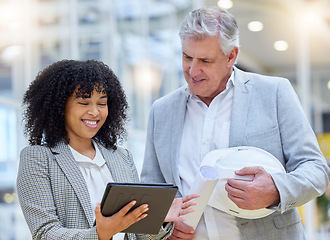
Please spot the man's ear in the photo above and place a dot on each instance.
(232, 55)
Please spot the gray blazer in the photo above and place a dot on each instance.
(266, 113)
(53, 193)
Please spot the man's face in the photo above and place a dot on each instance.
(206, 68)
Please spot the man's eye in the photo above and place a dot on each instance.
(186, 56)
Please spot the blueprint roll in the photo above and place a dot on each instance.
(204, 185)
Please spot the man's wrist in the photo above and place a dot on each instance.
(274, 207)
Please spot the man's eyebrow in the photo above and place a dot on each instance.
(201, 58)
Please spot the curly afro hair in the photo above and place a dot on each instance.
(47, 94)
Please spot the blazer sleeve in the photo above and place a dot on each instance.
(308, 172)
(36, 198)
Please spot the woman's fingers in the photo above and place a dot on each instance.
(186, 211)
(190, 196)
(186, 202)
(132, 216)
(138, 213)
(126, 208)
(125, 217)
(179, 207)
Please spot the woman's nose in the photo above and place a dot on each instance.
(93, 110)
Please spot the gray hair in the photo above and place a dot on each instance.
(211, 21)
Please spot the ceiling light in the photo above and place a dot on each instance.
(225, 4)
(255, 26)
(11, 52)
(10, 12)
(281, 46)
(311, 17)
(329, 84)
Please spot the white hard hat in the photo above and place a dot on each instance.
(227, 161)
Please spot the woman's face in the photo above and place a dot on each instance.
(85, 115)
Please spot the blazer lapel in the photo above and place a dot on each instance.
(71, 170)
(114, 163)
(175, 131)
(242, 93)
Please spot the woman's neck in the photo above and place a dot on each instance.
(85, 148)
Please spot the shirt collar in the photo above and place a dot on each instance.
(98, 159)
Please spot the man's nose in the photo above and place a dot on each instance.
(194, 69)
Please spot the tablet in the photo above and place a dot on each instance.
(159, 197)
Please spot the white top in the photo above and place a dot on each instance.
(207, 128)
(97, 175)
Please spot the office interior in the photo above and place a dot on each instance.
(139, 40)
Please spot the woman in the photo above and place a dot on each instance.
(75, 114)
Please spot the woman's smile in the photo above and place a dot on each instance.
(91, 123)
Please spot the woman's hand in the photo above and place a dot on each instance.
(179, 207)
(106, 227)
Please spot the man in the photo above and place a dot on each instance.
(223, 107)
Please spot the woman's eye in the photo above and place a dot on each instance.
(103, 104)
(82, 103)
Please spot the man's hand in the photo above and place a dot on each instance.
(182, 231)
(259, 193)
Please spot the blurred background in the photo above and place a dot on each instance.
(139, 40)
